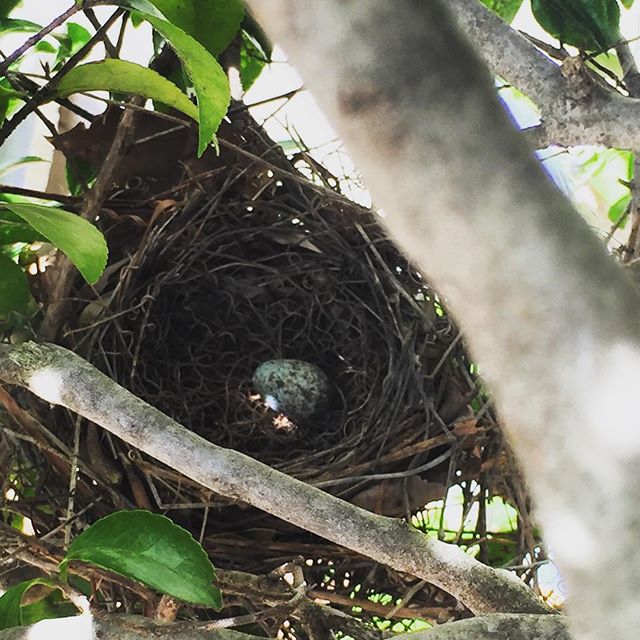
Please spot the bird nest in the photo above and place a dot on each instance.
(219, 285)
(254, 262)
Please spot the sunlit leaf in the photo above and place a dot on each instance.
(125, 77)
(209, 79)
(151, 549)
(213, 23)
(77, 238)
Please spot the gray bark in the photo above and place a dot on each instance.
(498, 626)
(550, 318)
(115, 627)
(575, 110)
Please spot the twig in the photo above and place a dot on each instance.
(93, 201)
(34, 39)
(42, 195)
(45, 92)
(400, 611)
(108, 45)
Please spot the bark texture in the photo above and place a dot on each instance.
(550, 318)
(575, 108)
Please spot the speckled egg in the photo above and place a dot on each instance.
(295, 388)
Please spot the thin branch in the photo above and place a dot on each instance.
(34, 39)
(58, 298)
(45, 92)
(599, 116)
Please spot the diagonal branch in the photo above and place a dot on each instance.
(61, 377)
(595, 115)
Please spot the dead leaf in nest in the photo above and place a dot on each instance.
(161, 152)
(466, 427)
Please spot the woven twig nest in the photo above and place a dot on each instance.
(221, 285)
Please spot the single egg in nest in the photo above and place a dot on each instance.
(298, 389)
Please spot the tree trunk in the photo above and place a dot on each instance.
(548, 315)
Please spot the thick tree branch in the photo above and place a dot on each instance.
(61, 377)
(594, 114)
(499, 626)
(549, 316)
(121, 627)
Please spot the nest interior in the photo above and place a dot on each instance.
(220, 283)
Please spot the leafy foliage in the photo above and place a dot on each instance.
(198, 31)
(506, 9)
(209, 80)
(46, 601)
(589, 25)
(82, 243)
(126, 77)
(213, 23)
(151, 549)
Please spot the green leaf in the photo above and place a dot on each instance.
(589, 25)
(71, 42)
(53, 605)
(11, 232)
(6, 167)
(13, 25)
(252, 61)
(10, 605)
(50, 604)
(7, 6)
(209, 80)
(45, 47)
(213, 23)
(152, 550)
(618, 209)
(506, 9)
(251, 26)
(80, 175)
(125, 77)
(14, 291)
(9, 99)
(77, 238)
(627, 4)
